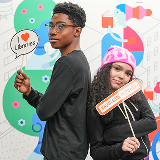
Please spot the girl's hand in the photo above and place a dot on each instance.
(130, 144)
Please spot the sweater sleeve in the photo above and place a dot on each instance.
(33, 97)
(98, 150)
(56, 93)
(145, 125)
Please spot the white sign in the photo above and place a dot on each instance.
(24, 42)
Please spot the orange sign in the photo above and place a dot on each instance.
(118, 96)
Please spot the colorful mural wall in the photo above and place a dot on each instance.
(135, 25)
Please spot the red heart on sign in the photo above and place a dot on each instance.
(25, 36)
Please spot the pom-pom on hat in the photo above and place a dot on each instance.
(119, 54)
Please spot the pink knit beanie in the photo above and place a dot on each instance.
(119, 54)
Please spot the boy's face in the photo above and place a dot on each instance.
(61, 36)
(120, 75)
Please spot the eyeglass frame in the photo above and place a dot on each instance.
(53, 27)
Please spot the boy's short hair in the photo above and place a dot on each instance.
(75, 13)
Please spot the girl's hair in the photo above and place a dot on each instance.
(100, 88)
(75, 13)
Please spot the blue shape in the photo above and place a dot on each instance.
(147, 158)
(45, 66)
(138, 55)
(159, 113)
(35, 156)
(153, 108)
(35, 62)
(39, 129)
(43, 38)
(153, 147)
(41, 124)
(40, 59)
(107, 41)
(122, 7)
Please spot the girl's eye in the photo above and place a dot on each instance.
(116, 68)
(129, 74)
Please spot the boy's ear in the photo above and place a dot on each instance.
(77, 31)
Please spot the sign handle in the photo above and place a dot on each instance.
(21, 67)
(128, 119)
(22, 62)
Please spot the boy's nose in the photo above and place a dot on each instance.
(53, 31)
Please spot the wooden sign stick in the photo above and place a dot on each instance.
(128, 119)
(22, 62)
(21, 67)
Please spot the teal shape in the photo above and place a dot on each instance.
(24, 111)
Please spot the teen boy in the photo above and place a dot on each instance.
(63, 105)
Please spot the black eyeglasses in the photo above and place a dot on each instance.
(58, 27)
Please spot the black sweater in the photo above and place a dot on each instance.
(107, 133)
(63, 106)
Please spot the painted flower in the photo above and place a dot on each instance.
(40, 6)
(21, 122)
(23, 11)
(51, 13)
(15, 104)
(45, 78)
(32, 20)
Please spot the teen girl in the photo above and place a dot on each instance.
(110, 135)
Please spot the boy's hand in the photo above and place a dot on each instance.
(22, 83)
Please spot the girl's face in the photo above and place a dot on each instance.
(120, 75)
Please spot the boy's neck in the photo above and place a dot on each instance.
(69, 49)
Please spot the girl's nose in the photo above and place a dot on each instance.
(121, 74)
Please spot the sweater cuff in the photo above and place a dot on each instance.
(120, 153)
(31, 94)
